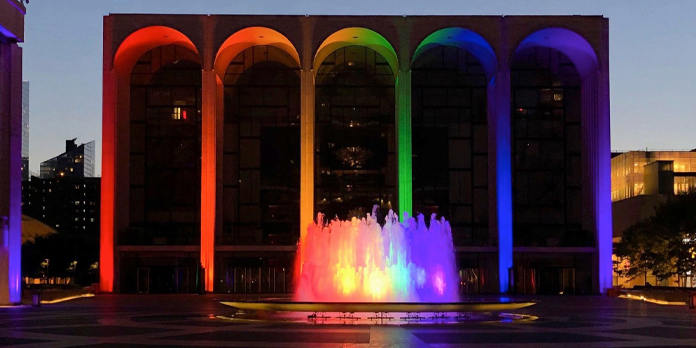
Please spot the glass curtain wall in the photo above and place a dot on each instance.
(165, 148)
(450, 142)
(355, 141)
(546, 151)
(261, 164)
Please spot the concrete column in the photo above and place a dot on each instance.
(211, 143)
(500, 167)
(403, 125)
(404, 146)
(10, 174)
(121, 168)
(501, 151)
(211, 155)
(107, 242)
(307, 149)
(597, 182)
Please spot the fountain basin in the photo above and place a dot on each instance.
(377, 307)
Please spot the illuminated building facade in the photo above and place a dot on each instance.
(76, 162)
(11, 33)
(225, 135)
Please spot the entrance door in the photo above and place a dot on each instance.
(531, 281)
(163, 280)
(568, 281)
(143, 280)
(550, 281)
(182, 279)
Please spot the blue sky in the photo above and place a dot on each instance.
(652, 59)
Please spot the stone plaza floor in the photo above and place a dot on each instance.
(199, 321)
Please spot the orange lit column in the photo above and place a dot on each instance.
(209, 147)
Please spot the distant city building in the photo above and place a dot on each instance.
(25, 130)
(67, 204)
(75, 162)
(637, 173)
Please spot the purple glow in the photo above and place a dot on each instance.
(570, 43)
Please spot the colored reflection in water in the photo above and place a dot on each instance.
(361, 261)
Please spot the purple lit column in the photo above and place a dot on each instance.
(597, 163)
(597, 147)
(10, 173)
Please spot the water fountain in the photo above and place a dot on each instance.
(361, 261)
(359, 265)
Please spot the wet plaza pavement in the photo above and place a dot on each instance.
(192, 320)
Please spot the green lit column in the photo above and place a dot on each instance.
(404, 146)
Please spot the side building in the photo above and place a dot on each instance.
(11, 34)
(77, 161)
(641, 180)
(66, 204)
(223, 139)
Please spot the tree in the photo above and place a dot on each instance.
(663, 245)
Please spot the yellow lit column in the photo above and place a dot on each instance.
(307, 152)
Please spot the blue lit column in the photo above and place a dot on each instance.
(10, 173)
(501, 160)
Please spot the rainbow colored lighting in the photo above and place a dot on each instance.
(361, 261)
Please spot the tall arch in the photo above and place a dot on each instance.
(249, 37)
(464, 39)
(555, 123)
(450, 76)
(356, 36)
(116, 144)
(142, 41)
(355, 161)
(260, 75)
(568, 42)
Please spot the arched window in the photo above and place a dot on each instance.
(355, 159)
(450, 141)
(165, 148)
(261, 175)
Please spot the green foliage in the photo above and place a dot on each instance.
(663, 245)
(62, 250)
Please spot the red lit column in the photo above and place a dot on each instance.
(209, 172)
(108, 183)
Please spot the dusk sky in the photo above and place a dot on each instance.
(652, 64)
